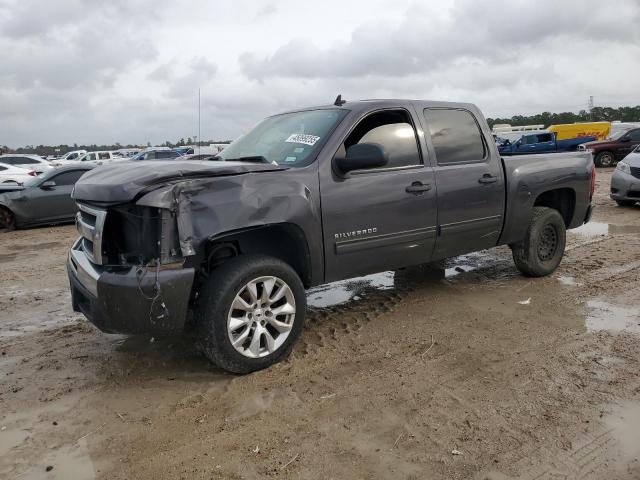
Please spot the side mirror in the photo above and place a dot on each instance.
(48, 185)
(362, 156)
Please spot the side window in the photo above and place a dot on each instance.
(455, 135)
(68, 178)
(25, 161)
(10, 160)
(166, 154)
(2, 168)
(104, 156)
(529, 139)
(635, 135)
(90, 156)
(544, 137)
(392, 130)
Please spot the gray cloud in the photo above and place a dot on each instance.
(423, 42)
(123, 71)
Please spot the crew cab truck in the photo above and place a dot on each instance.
(305, 198)
(533, 143)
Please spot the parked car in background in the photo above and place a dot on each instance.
(45, 199)
(127, 152)
(31, 162)
(11, 174)
(607, 152)
(540, 143)
(202, 156)
(625, 181)
(160, 153)
(69, 156)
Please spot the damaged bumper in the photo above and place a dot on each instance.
(134, 300)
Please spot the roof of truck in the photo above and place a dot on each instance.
(370, 104)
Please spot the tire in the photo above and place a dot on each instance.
(605, 159)
(626, 203)
(228, 286)
(542, 249)
(7, 220)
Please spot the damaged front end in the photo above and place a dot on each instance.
(127, 270)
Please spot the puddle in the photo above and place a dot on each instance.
(599, 229)
(622, 424)
(592, 229)
(605, 316)
(337, 293)
(569, 281)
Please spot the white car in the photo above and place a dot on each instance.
(30, 162)
(93, 158)
(11, 174)
(68, 158)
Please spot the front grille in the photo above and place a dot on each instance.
(635, 171)
(90, 224)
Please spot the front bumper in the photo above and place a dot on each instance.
(123, 301)
(625, 186)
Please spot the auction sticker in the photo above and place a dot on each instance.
(302, 138)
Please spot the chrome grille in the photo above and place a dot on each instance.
(90, 223)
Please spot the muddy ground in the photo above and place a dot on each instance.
(398, 375)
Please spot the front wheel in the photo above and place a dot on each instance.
(250, 313)
(542, 249)
(7, 220)
(604, 159)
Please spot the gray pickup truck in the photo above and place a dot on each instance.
(305, 198)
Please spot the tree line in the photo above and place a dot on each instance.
(46, 150)
(624, 114)
(597, 114)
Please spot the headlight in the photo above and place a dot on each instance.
(624, 167)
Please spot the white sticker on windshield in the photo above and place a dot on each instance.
(302, 138)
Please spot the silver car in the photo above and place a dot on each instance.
(625, 182)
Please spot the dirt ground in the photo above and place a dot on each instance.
(475, 372)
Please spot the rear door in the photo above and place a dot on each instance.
(470, 181)
(380, 218)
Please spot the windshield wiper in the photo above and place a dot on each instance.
(254, 159)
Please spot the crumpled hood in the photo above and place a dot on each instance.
(120, 182)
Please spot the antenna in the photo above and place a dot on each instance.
(339, 101)
(199, 137)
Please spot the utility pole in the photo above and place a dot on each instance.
(199, 137)
(590, 107)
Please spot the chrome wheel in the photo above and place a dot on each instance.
(261, 317)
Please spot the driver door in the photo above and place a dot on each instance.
(54, 203)
(379, 218)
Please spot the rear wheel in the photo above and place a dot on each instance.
(541, 251)
(626, 203)
(7, 220)
(604, 159)
(250, 313)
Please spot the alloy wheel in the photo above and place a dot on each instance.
(261, 316)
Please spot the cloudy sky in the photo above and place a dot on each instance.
(88, 71)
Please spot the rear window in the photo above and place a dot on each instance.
(455, 135)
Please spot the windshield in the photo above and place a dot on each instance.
(617, 135)
(289, 139)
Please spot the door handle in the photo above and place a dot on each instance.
(488, 178)
(418, 187)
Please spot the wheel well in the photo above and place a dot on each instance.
(284, 241)
(563, 200)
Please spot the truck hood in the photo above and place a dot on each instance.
(599, 143)
(121, 182)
